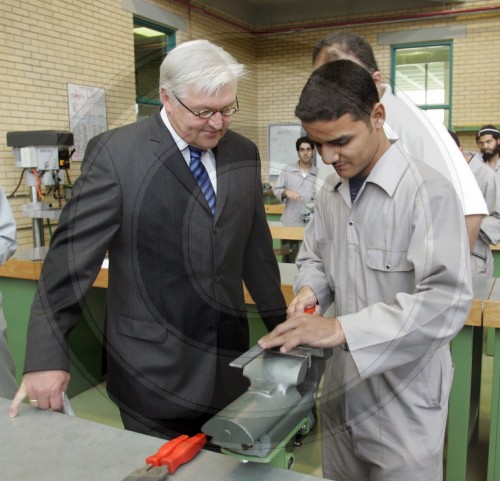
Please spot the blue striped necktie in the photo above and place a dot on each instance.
(201, 176)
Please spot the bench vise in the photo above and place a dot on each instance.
(277, 406)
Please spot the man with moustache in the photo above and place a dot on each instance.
(488, 142)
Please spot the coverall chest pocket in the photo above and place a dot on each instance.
(328, 253)
(389, 272)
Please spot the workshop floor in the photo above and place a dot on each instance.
(95, 405)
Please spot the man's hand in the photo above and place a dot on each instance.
(473, 224)
(309, 329)
(305, 298)
(44, 390)
(290, 194)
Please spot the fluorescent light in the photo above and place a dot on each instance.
(147, 32)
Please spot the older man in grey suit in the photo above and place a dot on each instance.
(179, 249)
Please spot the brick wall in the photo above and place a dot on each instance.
(43, 47)
(284, 61)
(46, 45)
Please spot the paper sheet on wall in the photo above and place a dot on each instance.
(87, 115)
(281, 145)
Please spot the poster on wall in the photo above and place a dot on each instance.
(87, 115)
(281, 140)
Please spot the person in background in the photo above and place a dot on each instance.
(176, 201)
(386, 246)
(296, 188)
(8, 245)
(427, 140)
(489, 233)
(488, 142)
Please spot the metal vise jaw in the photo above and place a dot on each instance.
(282, 392)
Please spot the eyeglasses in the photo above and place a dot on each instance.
(207, 113)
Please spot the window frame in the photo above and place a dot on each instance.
(170, 44)
(441, 43)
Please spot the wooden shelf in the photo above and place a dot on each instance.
(274, 208)
(30, 270)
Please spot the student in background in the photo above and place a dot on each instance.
(488, 142)
(296, 187)
(489, 233)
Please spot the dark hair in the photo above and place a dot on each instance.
(335, 89)
(303, 140)
(488, 130)
(454, 136)
(348, 43)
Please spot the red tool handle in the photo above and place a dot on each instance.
(184, 452)
(310, 310)
(165, 450)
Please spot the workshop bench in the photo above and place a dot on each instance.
(491, 319)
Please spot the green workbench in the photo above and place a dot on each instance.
(491, 320)
(490, 333)
(463, 408)
(86, 355)
(85, 341)
(274, 210)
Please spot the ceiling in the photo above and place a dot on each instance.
(266, 13)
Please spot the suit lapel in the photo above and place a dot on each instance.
(223, 162)
(166, 151)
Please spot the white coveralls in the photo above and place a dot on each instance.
(489, 233)
(393, 263)
(8, 245)
(429, 142)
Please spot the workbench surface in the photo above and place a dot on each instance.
(44, 446)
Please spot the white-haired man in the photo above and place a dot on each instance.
(176, 201)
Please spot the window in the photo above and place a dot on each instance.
(424, 73)
(151, 44)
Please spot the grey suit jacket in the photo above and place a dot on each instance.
(175, 308)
